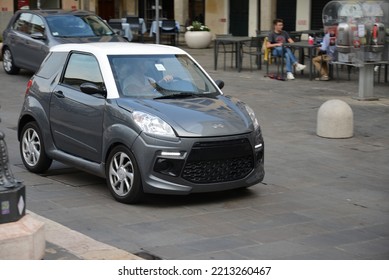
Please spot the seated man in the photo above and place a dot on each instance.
(276, 39)
(325, 55)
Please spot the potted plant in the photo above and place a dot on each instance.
(198, 36)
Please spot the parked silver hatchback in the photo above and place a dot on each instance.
(30, 34)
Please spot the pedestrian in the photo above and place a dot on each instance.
(276, 39)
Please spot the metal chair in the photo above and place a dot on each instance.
(135, 27)
(269, 58)
(168, 29)
(227, 47)
(253, 48)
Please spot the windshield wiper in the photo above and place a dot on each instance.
(186, 95)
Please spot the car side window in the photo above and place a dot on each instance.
(37, 25)
(22, 24)
(82, 68)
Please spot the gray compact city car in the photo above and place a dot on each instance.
(30, 34)
(147, 118)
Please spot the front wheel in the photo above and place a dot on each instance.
(123, 176)
(8, 63)
(32, 149)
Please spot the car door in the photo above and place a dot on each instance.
(76, 118)
(28, 50)
(36, 44)
(18, 36)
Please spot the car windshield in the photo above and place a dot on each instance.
(160, 76)
(78, 26)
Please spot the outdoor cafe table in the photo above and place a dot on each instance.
(301, 46)
(237, 41)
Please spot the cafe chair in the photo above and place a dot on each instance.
(295, 36)
(116, 25)
(225, 48)
(253, 49)
(262, 32)
(168, 29)
(269, 59)
(135, 27)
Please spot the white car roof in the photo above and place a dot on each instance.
(118, 48)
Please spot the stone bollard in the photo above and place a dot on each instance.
(335, 120)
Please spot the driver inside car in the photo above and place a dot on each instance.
(136, 79)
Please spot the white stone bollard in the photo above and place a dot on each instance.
(335, 120)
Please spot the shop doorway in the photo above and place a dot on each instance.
(106, 9)
(316, 14)
(196, 11)
(286, 10)
(239, 17)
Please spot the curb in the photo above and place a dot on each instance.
(80, 245)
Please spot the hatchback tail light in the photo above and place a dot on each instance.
(29, 84)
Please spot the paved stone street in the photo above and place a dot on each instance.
(320, 199)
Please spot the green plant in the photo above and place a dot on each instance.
(197, 26)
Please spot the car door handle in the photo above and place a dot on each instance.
(59, 94)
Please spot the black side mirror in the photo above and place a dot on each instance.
(90, 88)
(219, 83)
(38, 36)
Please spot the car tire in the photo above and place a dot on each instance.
(8, 62)
(32, 149)
(123, 176)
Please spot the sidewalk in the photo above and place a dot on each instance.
(63, 243)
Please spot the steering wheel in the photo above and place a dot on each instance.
(177, 84)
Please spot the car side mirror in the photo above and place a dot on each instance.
(219, 83)
(91, 89)
(38, 36)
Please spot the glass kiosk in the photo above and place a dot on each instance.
(361, 29)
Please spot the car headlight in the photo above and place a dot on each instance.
(153, 124)
(252, 116)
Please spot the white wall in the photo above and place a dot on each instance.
(303, 15)
(253, 17)
(216, 16)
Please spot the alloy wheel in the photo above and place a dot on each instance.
(121, 174)
(31, 147)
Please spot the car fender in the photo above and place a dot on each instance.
(33, 111)
(117, 134)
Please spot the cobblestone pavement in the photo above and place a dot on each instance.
(320, 199)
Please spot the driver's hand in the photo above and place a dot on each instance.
(168, 78)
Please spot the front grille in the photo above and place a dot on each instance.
(222, 161)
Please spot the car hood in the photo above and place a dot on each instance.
(196, 117)
(67, 40)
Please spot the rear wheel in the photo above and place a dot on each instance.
(32, 149)
(8, 62)
(123, 176)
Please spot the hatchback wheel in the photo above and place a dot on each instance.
(123, 177)
(8, 63)
(32, 149)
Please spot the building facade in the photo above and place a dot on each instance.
(238, 17)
